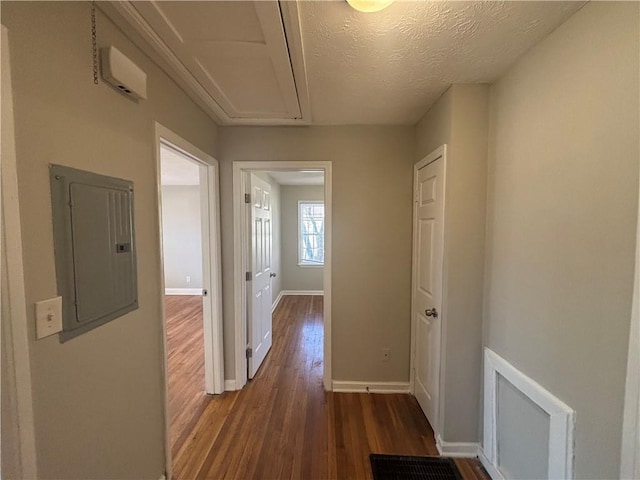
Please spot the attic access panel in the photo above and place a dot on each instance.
(94, 248)
(236, 51)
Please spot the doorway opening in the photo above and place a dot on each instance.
(282, 224)
(188, 196)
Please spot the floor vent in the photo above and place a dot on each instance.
(399, 467)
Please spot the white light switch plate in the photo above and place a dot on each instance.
(48, 317)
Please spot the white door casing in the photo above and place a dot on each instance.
(259, 305)
(21, 461)
(242, 288)
(630, 455)
(427, 284)
(213, 378)
(212, 272)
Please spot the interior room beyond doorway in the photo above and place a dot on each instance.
(285, 248)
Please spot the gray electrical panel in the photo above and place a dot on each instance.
(94, 248)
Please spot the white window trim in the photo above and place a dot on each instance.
(300, 262)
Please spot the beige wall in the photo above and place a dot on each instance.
(372, 170)
(460, 119)
(98, 399)
(182, 236)
(563, 195)
(294, 276)
(435, 128)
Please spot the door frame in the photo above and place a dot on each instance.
(240, 267)
(16, 336)
(440, 152)
(213, 345)
(630, 455)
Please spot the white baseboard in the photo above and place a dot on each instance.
(230, 386)
(293, 292)
(493, 472)
(276, 302)
(183, 291)
(301, 292)
(342, 386)
(456, 449)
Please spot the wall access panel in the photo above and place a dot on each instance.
(94, 248)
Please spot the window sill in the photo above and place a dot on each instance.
(311, 265)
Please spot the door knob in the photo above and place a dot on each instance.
(431, 312)
(272, 274)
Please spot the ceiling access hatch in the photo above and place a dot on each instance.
(235, 52)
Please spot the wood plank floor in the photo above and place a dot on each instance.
(185, 351)
(283, 424)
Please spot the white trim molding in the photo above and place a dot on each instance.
(230, 385)
(284, 293)
(456, 449)
(240, 169)
(183, 291)
(276, 302)
(491, 469)
(561, 416)
(15, 332)
(630, 455)
(345, 386)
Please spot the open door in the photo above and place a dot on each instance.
(259, 303)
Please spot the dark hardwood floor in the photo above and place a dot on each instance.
(283, 424)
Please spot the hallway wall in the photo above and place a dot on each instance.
(372, 196)
(563, 198)
(98, 399)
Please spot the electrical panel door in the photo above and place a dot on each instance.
(95, 250)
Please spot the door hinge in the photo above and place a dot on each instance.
(247, 198)
(249, 352)
(247, 276)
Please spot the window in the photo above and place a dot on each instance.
(311, 233)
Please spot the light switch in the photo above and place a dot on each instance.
(48, 317)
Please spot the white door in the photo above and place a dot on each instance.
(427, 283)
(259, 308)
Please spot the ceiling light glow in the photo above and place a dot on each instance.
(369, 5)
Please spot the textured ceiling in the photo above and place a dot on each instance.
(389, 67)
(336, 66)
